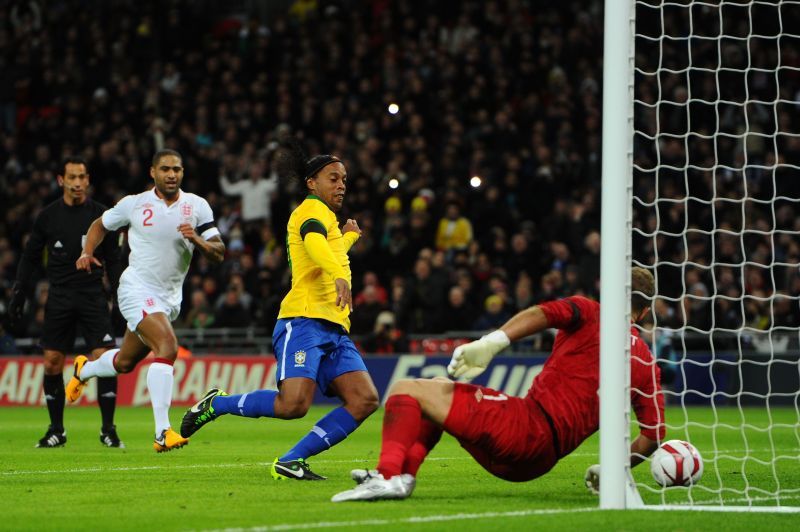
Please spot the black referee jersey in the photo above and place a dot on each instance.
(56, 242)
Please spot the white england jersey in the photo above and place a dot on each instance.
(160, 256)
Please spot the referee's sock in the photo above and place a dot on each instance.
(107, 399)
(102, 367)
(260, 403)
(330, 430)
(54, 396)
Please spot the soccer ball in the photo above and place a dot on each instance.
(676, 463)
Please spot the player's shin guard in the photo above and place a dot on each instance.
(429, 436)
(102, 367)
(159, 384)
(401, 428)
(107, 399)
(330, 430)
(54, 396)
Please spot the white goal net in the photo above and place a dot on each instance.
(716, 218)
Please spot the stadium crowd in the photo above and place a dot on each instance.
(494, 90)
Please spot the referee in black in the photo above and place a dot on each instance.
(76, 299)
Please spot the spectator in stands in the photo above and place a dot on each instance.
(363, 321)
(231, 312)
(200, 315)
(386, 338)
(426, 297)
(493, 314)
(370, 279)
(461, 315)
(454, 231)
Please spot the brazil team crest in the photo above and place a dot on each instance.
(299, 358)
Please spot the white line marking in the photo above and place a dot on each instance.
(196, 466)
(410, 520)
(252, 464)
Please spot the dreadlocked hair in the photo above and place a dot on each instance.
(291, 161)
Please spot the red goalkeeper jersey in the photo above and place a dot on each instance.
(567, 387)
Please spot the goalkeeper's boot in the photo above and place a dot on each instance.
(375, 488)
(75, 385)
(362, 475)
(169, 440)
(201, 413)
(109, 437)
(294, 469)
(52, 438)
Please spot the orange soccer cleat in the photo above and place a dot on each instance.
(169, 440)
(75, 385)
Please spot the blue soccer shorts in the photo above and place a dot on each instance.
(316, 349)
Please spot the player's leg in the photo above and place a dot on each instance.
(342, 374)
(109, 364)
(298, 356)
(414, 412)
(156, 331)
(360, 398)
(115, 361)
(296, 345)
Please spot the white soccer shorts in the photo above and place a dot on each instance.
(137, 301)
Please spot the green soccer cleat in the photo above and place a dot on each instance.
(201, 413)
(293, 469)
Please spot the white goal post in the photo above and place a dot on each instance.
(701, 144)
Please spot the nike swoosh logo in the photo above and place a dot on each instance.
(195, 409)
(290, 472)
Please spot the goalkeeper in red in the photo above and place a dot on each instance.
(517, 438)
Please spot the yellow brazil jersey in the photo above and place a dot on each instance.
(313, 292)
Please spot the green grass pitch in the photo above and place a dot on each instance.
(221, 480)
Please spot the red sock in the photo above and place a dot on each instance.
(429, 436)
(401, 425)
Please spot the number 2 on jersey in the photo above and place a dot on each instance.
(148, 214)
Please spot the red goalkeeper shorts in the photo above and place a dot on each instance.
(509, 436)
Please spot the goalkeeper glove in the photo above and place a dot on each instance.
(592, 479)
(470, 360)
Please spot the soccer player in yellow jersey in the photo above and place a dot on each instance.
(310, 339)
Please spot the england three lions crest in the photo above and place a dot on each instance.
(186, 210)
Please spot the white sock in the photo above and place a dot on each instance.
(159, 384)
(102, 367)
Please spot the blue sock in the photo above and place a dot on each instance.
(260, 403)
(328, 431)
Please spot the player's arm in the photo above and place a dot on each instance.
(350, 233)
(470, 360)
(206, 237)
(94, 236)
(315, 242)
(30, 263)
(213, 249)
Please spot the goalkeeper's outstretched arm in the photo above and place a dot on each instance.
(470, 360)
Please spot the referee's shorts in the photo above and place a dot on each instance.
(69, 310)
